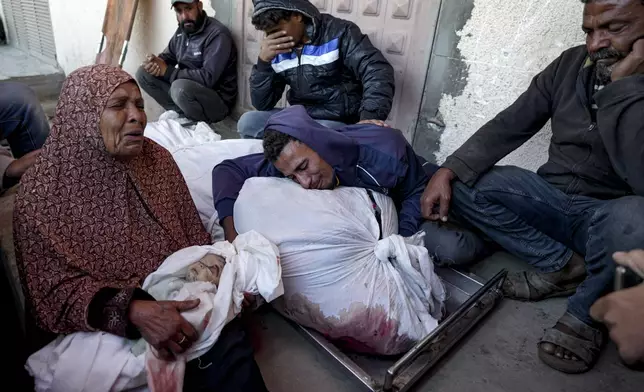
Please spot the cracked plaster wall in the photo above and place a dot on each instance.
(502, 46)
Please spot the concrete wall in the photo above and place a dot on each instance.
(485, 55)
(77, 28)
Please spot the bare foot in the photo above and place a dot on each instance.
(559, 351)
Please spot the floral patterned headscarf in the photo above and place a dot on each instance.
(86, 223)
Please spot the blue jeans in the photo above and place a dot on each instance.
(542, 225)
(251, 124)
(22, 120)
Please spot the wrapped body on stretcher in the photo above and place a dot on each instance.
(374, 294)
(366, 293)
(100, 362)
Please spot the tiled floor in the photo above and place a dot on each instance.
(14, 63)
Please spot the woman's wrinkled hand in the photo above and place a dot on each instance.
(163, 327)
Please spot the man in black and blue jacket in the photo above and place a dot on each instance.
(331, 68)
(196, 75)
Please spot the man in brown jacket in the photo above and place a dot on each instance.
(587, 201)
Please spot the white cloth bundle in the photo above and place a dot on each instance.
(377, 296)
(197, 152)
(100, 362)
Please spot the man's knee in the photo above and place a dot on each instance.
(182, 92)
(143, 78)
(619, 223)
(251, 124)
(451, 245)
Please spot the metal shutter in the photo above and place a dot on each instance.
(29, 25)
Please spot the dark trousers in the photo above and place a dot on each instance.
(22, 120)
(228, 367)
(455, 243)
(196, 102)
(542, 225)
(13, 371)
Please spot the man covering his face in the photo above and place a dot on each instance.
(329, 65)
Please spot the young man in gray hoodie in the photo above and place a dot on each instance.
(196, 75)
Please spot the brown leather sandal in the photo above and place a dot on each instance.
(532, 286)
(586, 346)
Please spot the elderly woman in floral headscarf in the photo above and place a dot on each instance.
(100, 210)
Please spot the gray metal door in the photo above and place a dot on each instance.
(29, 26)
(402, 29)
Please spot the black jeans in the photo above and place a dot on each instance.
(187, 97)
(228, 367)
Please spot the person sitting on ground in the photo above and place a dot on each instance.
(329, 65)
(101, 209)
(363, 155)
(623, 312)
(587, 201)
(196, 75)
(24, 125)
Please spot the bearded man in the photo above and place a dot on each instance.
(586, 202)
(196, 75)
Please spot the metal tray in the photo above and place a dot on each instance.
(468, 302)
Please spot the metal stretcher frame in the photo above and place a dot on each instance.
(407, 370)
